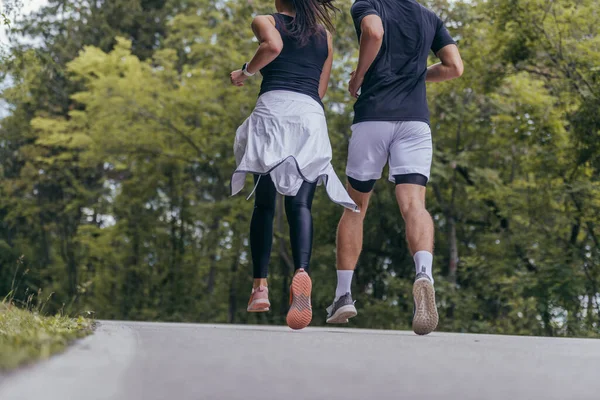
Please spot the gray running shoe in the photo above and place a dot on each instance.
(425, 318)
(341, 310)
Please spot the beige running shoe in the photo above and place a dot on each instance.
(425, 318)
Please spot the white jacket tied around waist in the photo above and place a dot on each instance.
(286, 137)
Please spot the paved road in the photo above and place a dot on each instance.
(156, 361)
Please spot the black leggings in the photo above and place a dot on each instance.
(298, 211)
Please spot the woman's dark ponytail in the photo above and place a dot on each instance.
(311, 16)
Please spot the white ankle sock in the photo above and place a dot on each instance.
(344, 281)
(424, 263)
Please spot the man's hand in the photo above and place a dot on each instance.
(237, 77)
(355, 83)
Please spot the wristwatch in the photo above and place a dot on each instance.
(245, 70)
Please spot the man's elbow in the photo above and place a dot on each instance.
(459, 69)
(378, 35)
(374, 33)
(455, 69)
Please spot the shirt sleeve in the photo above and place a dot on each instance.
(360, 9)
(442, 37)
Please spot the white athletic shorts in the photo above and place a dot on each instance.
(406, 145)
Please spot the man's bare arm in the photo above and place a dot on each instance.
(450, 67)
(371, 38)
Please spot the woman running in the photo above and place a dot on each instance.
(284, 143)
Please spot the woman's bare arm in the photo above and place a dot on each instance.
(326, 73)
(269, 48)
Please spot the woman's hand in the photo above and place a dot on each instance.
(237, 78)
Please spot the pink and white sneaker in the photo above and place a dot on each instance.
(259, 300)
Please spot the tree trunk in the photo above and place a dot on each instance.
(131, 277)
(212, 272)
(175, 265)
(232, 286)
(448, 211)
(453, 264)
(451, 217)
(68, 254)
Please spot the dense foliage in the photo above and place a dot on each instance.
(116, 155)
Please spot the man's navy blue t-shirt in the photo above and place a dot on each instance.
(394, 85)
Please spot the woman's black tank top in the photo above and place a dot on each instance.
(297, 68)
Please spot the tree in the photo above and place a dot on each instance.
(115, 177)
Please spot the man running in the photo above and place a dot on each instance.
(391, 123)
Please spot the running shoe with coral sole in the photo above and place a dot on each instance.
(426, 316)
(300, 313)
(259, 300)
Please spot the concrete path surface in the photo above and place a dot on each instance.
(159, 361)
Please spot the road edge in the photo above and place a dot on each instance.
(74, 372)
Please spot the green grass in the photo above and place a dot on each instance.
(26, 336)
